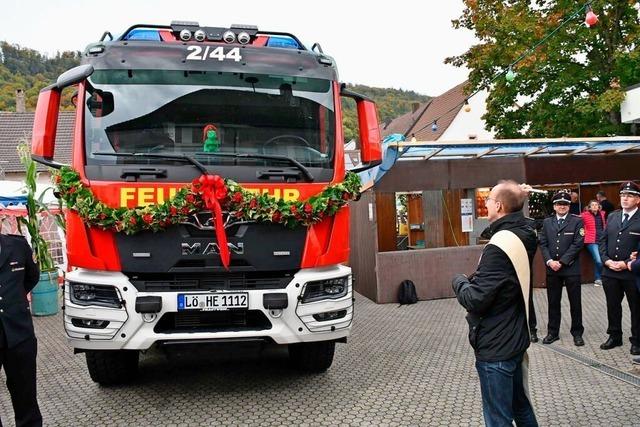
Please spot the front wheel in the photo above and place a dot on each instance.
(111, 367)
(312, 357)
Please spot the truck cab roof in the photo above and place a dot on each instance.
(237, 49)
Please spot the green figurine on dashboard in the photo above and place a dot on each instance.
(211, 142)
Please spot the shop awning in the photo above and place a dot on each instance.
(543, 147)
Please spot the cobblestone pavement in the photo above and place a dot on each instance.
(406, 365)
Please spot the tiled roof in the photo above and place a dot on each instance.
(439, 108)
(403, 123)
(17, 127)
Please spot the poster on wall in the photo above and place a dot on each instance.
(481, 200)
(466, 213)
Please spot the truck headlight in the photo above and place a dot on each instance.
(326, 289)
(86, 294)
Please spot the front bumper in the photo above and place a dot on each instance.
(129, 330)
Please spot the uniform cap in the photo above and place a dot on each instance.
(630, 187)
(561, 197)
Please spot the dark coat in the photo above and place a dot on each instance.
(635, 268)
(607, 207)
(493, 298)
(562, 243)
(18, 275)
(617, 243)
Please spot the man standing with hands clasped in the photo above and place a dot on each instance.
(620, 239)
(561, 240)
(18, 347)
(494, 297)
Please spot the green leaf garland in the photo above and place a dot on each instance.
(239, 203)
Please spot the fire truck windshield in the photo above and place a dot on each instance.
(202, 113)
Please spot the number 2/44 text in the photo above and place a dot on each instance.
(197, 53)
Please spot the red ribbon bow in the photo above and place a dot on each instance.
(214, 191)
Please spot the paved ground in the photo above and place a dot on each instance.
(403, 366)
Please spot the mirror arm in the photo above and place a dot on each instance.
(47, 162)
(365, 166)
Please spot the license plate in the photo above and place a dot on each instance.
(212, 302)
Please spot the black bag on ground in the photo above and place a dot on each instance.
(407, 293)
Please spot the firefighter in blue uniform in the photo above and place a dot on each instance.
(621, 237)
(18, 348)
(561, 240)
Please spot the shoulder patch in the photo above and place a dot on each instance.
(581, 231)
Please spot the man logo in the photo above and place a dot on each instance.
(210, 248)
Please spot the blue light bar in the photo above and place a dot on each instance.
(140, 34)
(283, 42)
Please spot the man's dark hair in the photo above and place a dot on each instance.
(511, 196)
(601, 194)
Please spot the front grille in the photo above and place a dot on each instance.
(171, 282)
(212, 321)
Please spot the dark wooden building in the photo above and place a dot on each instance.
(439, 175)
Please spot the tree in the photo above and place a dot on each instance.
(23, 68)
(572, 84)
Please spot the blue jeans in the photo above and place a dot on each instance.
(503, 396)
(595, 254)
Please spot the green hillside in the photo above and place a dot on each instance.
(391, 103)
(27, 69)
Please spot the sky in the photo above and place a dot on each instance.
(398, 44)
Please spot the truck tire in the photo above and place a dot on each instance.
(312, 357)
(111, 367)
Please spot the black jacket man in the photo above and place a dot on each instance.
(18, 346)
(496, 313)
(561, 240)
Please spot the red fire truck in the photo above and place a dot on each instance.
(158, 107)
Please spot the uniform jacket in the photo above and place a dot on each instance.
(589, 221)
(18, 275)
(493, 299)
(617, 243)
(562, 243)
(635, 269)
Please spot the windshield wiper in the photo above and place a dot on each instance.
(179, 157)
(290, 160)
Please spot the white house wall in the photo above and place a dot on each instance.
(469, 123)
(630, 108)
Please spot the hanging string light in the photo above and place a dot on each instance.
(511, 75)
(467, 107)
(434, 126)
(591, 18)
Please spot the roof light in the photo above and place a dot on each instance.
(283, 42)
(200, 35)
(142, 34)
(229, 36)
(96, 49)
(325, 60)
(244, 37)
(185, 35)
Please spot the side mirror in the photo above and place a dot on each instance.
(369, 129)
(73, 76)
(370, 138)
(45, 122)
